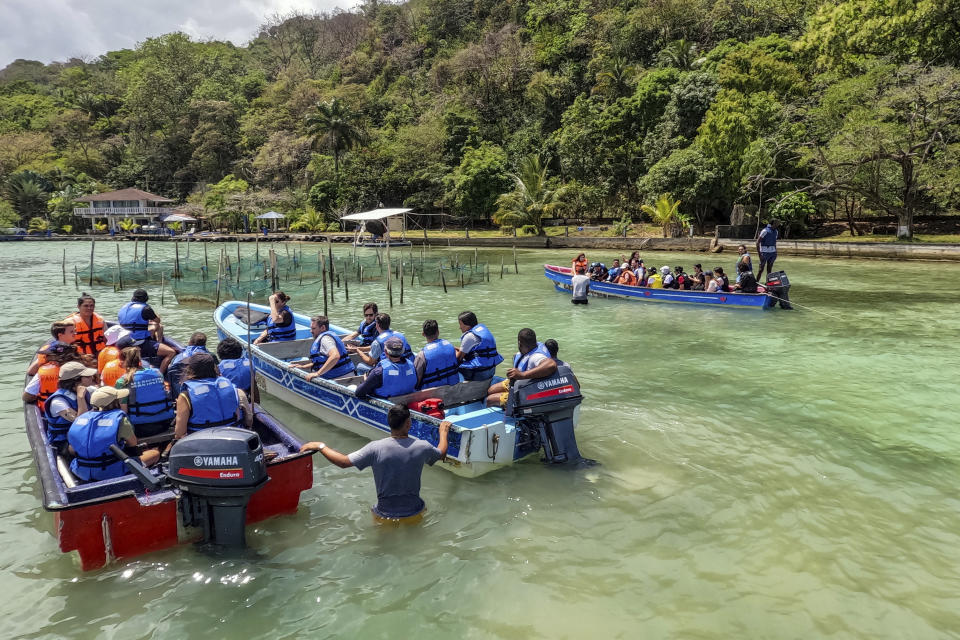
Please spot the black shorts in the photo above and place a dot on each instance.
(148, 349)
(584, 301)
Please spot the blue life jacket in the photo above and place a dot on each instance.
(390, 333)
(91, 435)
(441, 364)
(614, 273)
(368, 332)
(484, 358)
(175, 370)
(237, 371)
(523, 362)
(57, 426)
(131, 318)
(768, 240)
(148, 401)
(277, 333)
(344, 366)
(213, 403)
(398, 379)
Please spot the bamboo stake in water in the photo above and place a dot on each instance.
(323, 280)
(400, 277)
(206, 262)
(119, 272)
(346, 287)
(63, 266)
(76, 278)
(501, 267)
(330, 255)
(516, 269)
(92, 241)
(136, 242)
(161, 288)
(176, 265)
(219, 276)
(146, 252)
(443, 280)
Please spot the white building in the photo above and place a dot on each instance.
(144, 208)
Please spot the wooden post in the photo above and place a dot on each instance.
(400, 276)
(206, 263)
(516, 269)
(476, 259)
(323, 279)
(468, 234)
(136, 242)
(238, 260)
(443, 280)
(566, 232)
(176, 263)
(219, 276)
(330, 255)
(258, 261)
(389, 282)
(119, 272)
(346, 287)
(161, 288)
(76, 278)
(188, 248)
(361, 273)
(92, 241)
(63, 266)
(501, 267)
(146, 252)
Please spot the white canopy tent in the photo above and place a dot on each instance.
(380, 214)
(271, 215)
(179, 217)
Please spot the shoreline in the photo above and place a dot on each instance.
(811, 248)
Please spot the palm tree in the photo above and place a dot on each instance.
(532, 199)
(28, 192)
(128, 225)
(39, 225)
(335, 125)
(681, 54)
(665, 213)
(312, 221)
(616, 78)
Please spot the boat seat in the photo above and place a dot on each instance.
(160, 437)
(64, 468)
(287, 349)
(452, 395)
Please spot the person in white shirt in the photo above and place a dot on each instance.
(580, 283)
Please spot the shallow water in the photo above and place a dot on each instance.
(763, 474)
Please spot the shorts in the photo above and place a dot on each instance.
(506, 393)
(576, 301)
(767, 259)
(148, 348)
(381, 519)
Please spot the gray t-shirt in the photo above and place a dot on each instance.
(468, 342)
(580, 285)
(376, 350)
(397, 464)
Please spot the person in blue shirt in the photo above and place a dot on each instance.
(397, 464)
(376, 353)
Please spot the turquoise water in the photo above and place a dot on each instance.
(763, 474)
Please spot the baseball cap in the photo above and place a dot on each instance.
(71, 370)
(394, 347)
(140, 295)
(104, 396)
(114, 334)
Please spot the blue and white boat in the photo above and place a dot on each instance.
(561, 277)
(481, 439)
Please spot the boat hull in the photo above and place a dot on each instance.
(561, 277)
(480, 441)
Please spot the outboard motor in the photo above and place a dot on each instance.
(217, 470)
(778, 285)
(544, 411)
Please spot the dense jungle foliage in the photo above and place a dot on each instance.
(510, 111)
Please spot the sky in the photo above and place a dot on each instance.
(49, 30)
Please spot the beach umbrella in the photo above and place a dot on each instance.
(271, 215)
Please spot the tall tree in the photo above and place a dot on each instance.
(336, 126)
(533, 197)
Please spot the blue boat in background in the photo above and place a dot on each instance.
(481, 439)
(561, 277)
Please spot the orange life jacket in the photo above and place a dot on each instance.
(107, 354)
(49, 381)
(579, 264)
(90, 339)
(627, 277)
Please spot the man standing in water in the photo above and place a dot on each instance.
(580, 285)
(397, 464)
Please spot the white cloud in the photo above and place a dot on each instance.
(49, 30)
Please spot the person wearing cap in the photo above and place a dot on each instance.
(532, 362)
(92, 433)
(136, 317)
(397, 464)
(63, 332)
(580, 286)
(90, 326)
(667, 279)
(477, 353)
(329, 358)
(208, 399)
(392, 376)
(47, 378)
(196, 344)
(148, 405)
(67, 402)
(280, 323)
(377, 353)
(436, 364)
